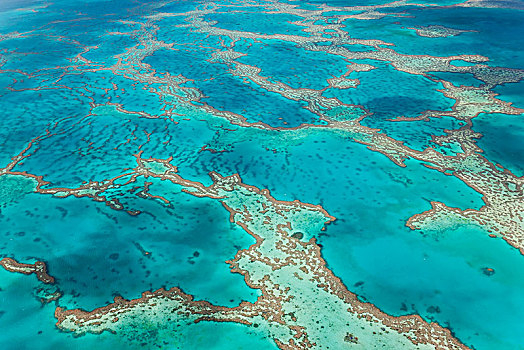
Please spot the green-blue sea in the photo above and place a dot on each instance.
(55, 69)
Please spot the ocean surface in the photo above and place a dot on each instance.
(248, 88)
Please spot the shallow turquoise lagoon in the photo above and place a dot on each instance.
(235, 94)
(493, 33)
(27, 334)
(87, 256)
(260, 22)
(297, 67)
(389, 93)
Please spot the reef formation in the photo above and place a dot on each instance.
(215, 87)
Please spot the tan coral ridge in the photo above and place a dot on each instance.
(39, 268)
(501, 190)
(302, 304)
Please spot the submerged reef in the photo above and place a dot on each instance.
(436, 31)
(38, 268)
(370, 110)
(303, 305)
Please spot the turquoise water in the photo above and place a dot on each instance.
(96, 253)
(494, 33)
(458, 79)
(258, 22)
(511, 93)
(24, 333)
(297, 67)
(389, 93)
(502, 140)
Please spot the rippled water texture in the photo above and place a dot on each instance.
(393, 130)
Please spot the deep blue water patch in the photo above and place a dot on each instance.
(284, 62)
(389, 93)
(261, 23)
(502, 139)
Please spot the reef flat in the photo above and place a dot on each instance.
(303, 305)
(145, 144)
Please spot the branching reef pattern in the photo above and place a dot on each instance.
(302, 304)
